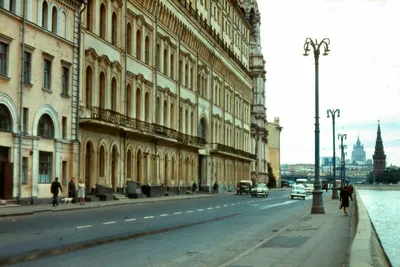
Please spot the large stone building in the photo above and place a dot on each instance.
(164, 93)
(274, 148)
(358, 154)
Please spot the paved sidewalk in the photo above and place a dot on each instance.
(317, 240)
(17, 210)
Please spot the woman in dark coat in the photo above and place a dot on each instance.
(345, 197)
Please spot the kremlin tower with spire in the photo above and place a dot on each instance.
(379, 156)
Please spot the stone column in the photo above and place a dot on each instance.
(35, 167)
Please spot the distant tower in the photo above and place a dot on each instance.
(379, 156)
(358, 154)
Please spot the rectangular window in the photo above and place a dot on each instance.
(64, 177)
(3, 59)
(25, 120)
(65, 80)
(24, 178)
(47, 74)
(45, 167)
(64, 127)
(27, 67)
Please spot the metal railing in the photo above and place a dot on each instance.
(117, 119)
(232, 150)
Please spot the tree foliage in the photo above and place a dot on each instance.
(271, 177)
(389, 176)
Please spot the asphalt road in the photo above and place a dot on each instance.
(243, 221)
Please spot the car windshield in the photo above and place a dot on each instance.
(260, 185)
(244, 184)
(298, 187)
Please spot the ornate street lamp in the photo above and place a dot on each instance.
(342, 147)
(318, 204)
(333, 114)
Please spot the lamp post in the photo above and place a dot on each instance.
(333, 114)
(342, 147)
(318, 204)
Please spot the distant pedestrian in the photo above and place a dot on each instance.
(215, 187)
(72, 190)
(345, 197)
(194, 187)
(81, 192)
(54, 189)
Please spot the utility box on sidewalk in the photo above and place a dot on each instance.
(134, 190)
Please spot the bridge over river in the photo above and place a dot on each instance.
(350, 179)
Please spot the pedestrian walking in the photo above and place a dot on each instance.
(215, 187)
(81, 192)
(345, 197)
(72, 190)
(54, 189)
(194, 187)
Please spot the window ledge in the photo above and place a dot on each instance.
(28, 84)
(5, 77)
(65, 96)
(47, 90)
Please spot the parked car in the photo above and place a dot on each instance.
(260, 189)
(244, 186)
(298, 191)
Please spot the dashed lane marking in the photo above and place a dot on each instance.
(217, 207)
(164, 215)
(189, 211)
(176, 213)
(200, 209)
(110, 222)
(130, 220)
(149, 217)
(210, 208)
(84, 226)
(225, 205)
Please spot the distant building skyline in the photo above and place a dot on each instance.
(358, 154)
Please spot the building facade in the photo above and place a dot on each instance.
(274, 148)
(379, 156)
(358, 153)
(37, 67)
(164, 93)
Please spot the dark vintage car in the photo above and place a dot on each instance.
(243, 187)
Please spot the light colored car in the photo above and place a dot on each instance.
(298, 191)
(309, 188)
(259, 190)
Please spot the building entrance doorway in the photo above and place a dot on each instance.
(201, 171)
(88, 167)
(6, 174)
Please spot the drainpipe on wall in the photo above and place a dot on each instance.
(212, 114)
(79, 87)
(156, 92)
(180, 30)
(126, 93)
(21, 101)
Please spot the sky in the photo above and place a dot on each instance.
(360, 76)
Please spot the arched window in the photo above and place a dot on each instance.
(102, 90)
(138, 45)
(114, 29)
(158, 119)
(89, 15)
(129, 39)
(45, 15)
(128, 101)
(186, 75)
(171, 66)
(165, 62)
(202, 129)
(165, 113)
(138, 106)
(191, 78)
(139, 166)
(114, 94)
(147, 51)
(54, 20)
(147, 107)
(192, 131)
(129, 164)
(172, 168)
(172, 111)
(158, 59)
(186, 122)
(5, 119)
(45, 127)
(103, 21)
(102, 161)
(89, 84)
(64, 24)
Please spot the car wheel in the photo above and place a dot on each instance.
(291, 197)
(265, 195)
(304, 198)
(240, 192)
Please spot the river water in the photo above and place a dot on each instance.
(384, 210)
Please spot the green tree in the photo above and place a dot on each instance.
(271, 177)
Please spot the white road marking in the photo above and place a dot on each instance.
(149, 217)
(217, 207)
(233, 204)
(225, 205)
(200, 209)
(178, 212)
(163, 215)
(210, 208)
(189, 211)
(130, 220)
(84, 226)
(110, 222)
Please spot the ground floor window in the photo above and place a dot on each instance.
(45, 167)
(24, 178)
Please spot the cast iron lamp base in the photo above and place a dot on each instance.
(318, 203)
